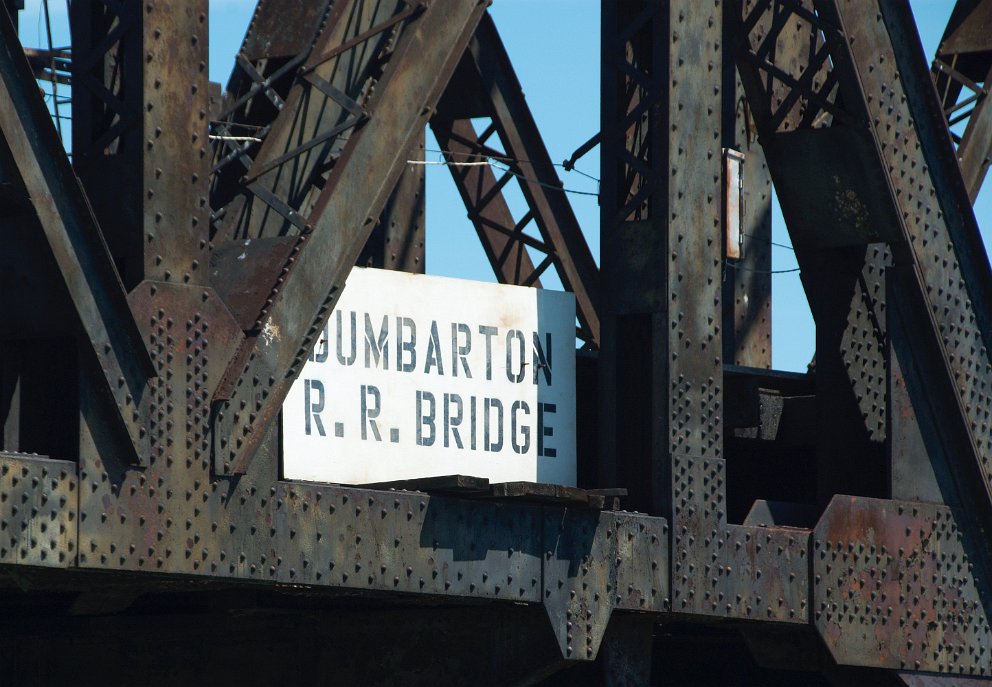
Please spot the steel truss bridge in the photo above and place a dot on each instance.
(732, 524)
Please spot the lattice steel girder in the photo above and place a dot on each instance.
(272, 57)
(342, 217)
(482, 194)
(877, 97)
(964, 61)
(281, 178)
(897, 585)
(113, 342)
(540, 185)
(38, 499)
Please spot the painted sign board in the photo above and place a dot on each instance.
(422, 376)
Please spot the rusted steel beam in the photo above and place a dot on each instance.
(38, 513)
(944, 283)
(50, 65)
(909, 679)
(398, 241)
(910, 573)
(279, 39)
(113, 344)
(962, 74)
(341, 217)
(747, 279)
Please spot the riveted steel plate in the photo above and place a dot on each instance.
(595, 561)
(38, 499)
(931, 680)
(758, 573)
(398, 541)
(937, 223)
(897, 585)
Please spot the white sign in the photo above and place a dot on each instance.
(418, 376)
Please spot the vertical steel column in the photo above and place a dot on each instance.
(140, 106)
(141, 148)
(43, 198)
(661, 243)
(661, 358)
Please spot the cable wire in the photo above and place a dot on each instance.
(741, 268)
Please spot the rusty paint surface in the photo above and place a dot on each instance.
(895, 587)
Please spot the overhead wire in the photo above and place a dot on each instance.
(770, 242)
(503, 164)
(742, 268)
(504, 159)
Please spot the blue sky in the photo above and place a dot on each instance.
(554, 46)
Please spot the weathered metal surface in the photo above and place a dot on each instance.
(328, 98)
(241, 271)
(899, 585)
(717, 568)
(174, 517)
(278, 40)
(399, 239)
(595, 563)
(792, 90)
(627, 651)
(931, 680)
(878, 207)
(730, 570)
(37, 510)
(281, 29)
(107, 116)
(190, 335)
(660, 361)
(875, 67)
